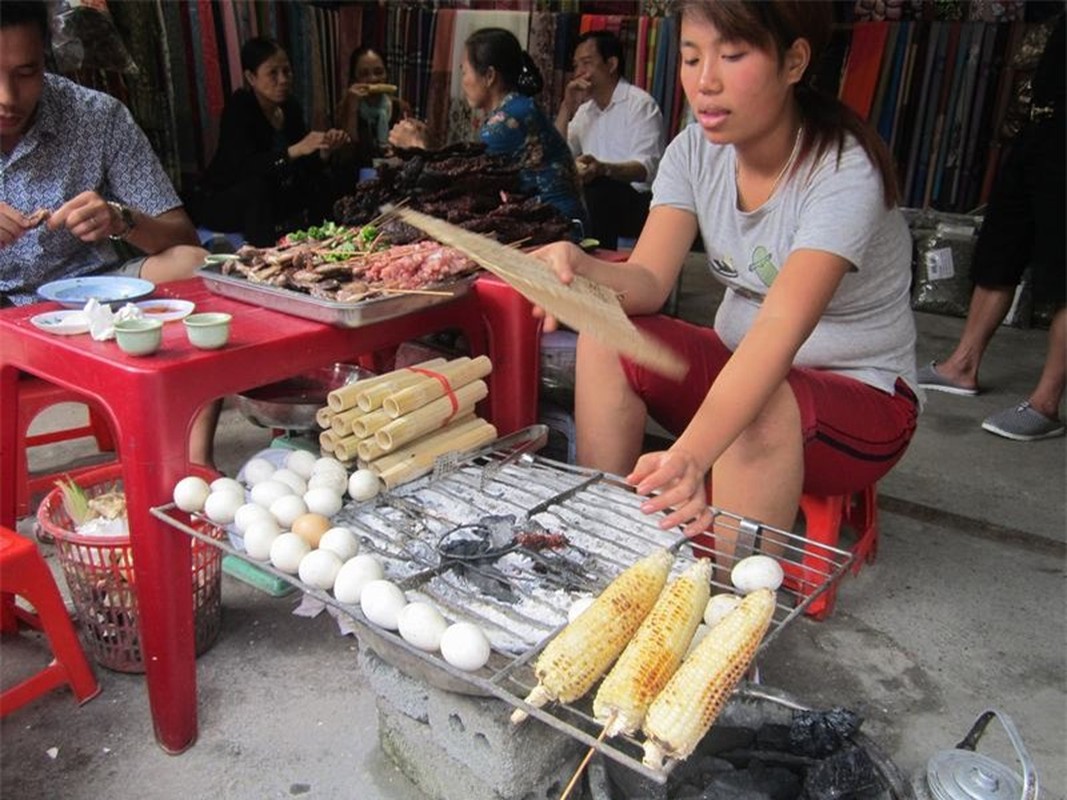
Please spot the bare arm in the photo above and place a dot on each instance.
(792, 309)
(91, 219)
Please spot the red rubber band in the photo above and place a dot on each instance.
(443, 380)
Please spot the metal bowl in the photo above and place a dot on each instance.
(291, 404)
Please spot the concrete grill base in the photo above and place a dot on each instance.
(456, 747)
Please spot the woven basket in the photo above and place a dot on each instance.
(99, 571)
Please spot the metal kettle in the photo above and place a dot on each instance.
(963, 774)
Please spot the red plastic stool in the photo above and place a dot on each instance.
(23, 572)
(35, 395)
(824, 518)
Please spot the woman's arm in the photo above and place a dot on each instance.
(645, 280)
(791, 310)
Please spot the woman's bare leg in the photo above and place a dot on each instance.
(1048, 394)
(609, 417)
(989, 306)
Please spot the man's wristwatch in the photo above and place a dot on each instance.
(126, 215)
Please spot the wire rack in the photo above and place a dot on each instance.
(520, 598)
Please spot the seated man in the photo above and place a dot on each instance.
(615, 131)
(79, 175)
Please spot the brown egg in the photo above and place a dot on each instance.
(310, 527)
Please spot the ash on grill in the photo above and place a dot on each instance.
(461, 184)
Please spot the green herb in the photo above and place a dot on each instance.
(75, 501)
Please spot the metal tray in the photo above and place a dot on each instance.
(343, 315)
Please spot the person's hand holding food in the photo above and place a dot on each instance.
(13, 223)
(87, 216)
(589, 167)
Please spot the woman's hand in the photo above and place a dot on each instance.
(360, 91)
(318, 142)
(563, 258)
(87, 216)
(409, 133)
(673, 479)
(334, 138)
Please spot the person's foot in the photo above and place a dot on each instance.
(932, 380)
(1023, 424)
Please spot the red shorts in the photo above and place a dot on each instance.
(853, 433)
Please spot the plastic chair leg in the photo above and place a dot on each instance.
(23, 572)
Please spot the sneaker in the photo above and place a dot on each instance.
(1023, 424)
(931, 379)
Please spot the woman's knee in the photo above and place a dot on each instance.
(774, 431)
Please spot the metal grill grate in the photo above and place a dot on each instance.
(520, 596)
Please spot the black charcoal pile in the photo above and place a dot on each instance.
(460, 184)
(812, 758)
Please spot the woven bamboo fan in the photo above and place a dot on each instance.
(583, 305)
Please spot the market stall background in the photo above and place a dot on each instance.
(945, 83)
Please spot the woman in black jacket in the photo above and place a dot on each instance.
(269, 174)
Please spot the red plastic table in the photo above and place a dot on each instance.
(152, 402)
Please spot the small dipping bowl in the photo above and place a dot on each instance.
(208, 331)
(139, 337)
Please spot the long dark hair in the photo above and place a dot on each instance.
(773, 26)
(499, 49)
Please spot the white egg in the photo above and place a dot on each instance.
(719, 606)
(422, 625)
(230, 484)
(340, 541)
(221, 506)
(249, 513)
(329, 464)
(287, 508)
(578, 606)
(301, 462)
(381, 602)
(323, 501)
(363, 485)
(190, 493)
(328, 480)
(463, 645)
(286, 552)
(355, 574)
(319, 568)
(266, 492)
(756, 572)
(290, 479)
(259, 536)
(257, 470)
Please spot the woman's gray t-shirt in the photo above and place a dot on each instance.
(867, 332)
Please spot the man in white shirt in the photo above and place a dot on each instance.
(615, 131)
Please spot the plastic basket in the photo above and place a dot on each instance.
(100, 576)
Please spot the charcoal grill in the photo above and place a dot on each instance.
(521, 597)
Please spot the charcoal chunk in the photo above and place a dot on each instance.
(757, 782)
(820, 733)
(847, 775)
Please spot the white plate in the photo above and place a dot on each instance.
(165, 309)
(66, 323)
(110, 290)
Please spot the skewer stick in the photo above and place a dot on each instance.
(581, 767)
(436, 292)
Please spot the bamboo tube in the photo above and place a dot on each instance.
(369, 449)
(344, 397)
(422, 461)
(345, 449)
(431, 388)
(323, 417)
(398, 456)
(367, 424)
(431, 416)
(372, 397)
(327, 441)
(341, 424)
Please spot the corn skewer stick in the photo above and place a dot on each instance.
(576, 658)
(581, 767)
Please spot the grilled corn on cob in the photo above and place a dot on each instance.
(654, 653)
(683, 712)
(572, 662)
